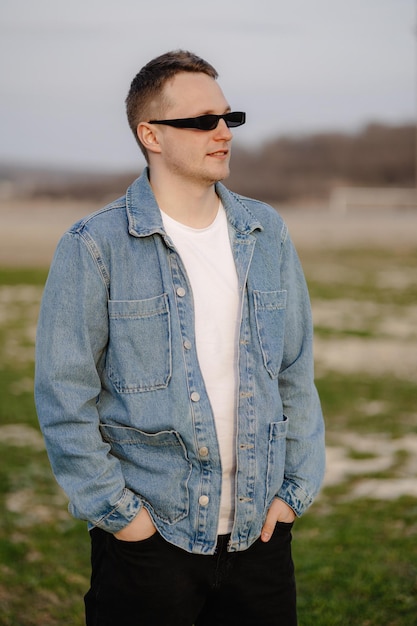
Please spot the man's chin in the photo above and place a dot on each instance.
(225, 174)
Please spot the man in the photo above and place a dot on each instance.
(174, 378)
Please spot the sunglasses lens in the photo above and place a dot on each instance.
(206, 122)
(210, 122)
(235, 119)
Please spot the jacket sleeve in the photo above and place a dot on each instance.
(305, 450)
(70, 351)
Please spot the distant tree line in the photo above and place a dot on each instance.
(289, 169)
(293, 169)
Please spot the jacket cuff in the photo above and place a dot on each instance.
(121, 515)
(295, 497)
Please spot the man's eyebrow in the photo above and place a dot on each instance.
(211, 112)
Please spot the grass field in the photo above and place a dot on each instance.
(355, 550)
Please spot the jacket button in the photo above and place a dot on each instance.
(181, 292)
(203, 500)
(203, 451)
(195, 396)
(187, 344)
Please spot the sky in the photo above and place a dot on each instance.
(294, 66)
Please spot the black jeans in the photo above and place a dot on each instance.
(153, 583)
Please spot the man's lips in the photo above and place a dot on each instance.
(219, 153)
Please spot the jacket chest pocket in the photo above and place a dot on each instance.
(270, 320)
(139, 350)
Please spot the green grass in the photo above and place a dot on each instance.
(23, 276)
(44, 553)
(357, 564)
(344, 398)
(384, 277)
(356, 558)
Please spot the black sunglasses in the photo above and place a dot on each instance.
(205, 122)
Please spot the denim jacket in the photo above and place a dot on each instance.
(119, 393)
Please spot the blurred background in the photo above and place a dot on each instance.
(317, 79)
(330, 91)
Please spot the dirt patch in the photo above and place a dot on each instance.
(315, 227)
(376, 357)
(32, 508)
(381, 455)
(30, 229)
(20, 435)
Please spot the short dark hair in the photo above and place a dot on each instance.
(150, 81)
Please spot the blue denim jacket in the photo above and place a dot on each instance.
(120, 395)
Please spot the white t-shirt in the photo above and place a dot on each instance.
(207, 257)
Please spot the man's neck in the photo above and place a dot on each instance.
(193, 205)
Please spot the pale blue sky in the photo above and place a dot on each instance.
(295, 66)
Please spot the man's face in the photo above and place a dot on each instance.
(196, 156)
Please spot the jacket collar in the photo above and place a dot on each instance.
(145, 219)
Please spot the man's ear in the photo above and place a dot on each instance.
(148, 136)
